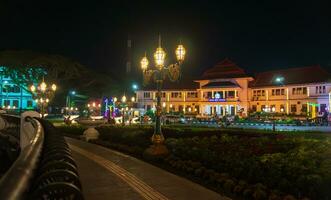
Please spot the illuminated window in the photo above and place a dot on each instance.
(192, 94)
(15, 103)
(299, 90)
(6, 102)
(147, 95)
(231, 94)
(320, 89)
(176, 95)
(304, 108)
(277, 92)
(29, 103)
(258, 93)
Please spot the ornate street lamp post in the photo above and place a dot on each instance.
(158, 75)
(42, 95)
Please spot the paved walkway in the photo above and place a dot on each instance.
(107, 174)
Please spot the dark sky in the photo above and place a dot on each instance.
(258, 35)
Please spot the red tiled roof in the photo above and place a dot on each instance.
(300, 75)
(224, 69)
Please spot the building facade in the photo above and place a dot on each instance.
(226, 89)
(12, 96)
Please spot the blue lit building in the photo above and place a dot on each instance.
(14, 97)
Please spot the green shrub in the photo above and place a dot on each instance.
(259, 194)
(289, 197)
(228, 185)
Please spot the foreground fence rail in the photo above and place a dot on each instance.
(44, 168)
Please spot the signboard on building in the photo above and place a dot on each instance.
(216, 100)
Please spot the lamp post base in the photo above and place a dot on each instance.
(155, 152)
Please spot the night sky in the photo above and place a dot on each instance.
(257, 35)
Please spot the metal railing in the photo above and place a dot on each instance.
(44, 169)
(15, 183)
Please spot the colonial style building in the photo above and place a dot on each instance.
(12, 96)
(226, 89)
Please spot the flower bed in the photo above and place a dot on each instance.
(257, 167)
(246, 164)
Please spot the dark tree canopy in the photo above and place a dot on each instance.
(27, 67)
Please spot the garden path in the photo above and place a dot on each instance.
(108, 174)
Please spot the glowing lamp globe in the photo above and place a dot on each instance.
(32, 88)
(53, 87)
(124, 99)
(159, 57)
(133, 99)
(144, 63)
(180, 53)
(43, 86)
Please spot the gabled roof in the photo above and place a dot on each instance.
(300, 75)
(224, 69)
(220, 84)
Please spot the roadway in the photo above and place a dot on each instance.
(108, 174)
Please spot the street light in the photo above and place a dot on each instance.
(134, 86)
(42, 95)
(123, 99)
(158, 75)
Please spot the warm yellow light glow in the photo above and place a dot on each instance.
(124, 99)
(53, 87)
(189, 109)
(8, 107)
(180, 53)
(47, 100)
(14, 107)
(76, 109)
(43, 86)
(115, 99)
(93, 104)
(88, 105)
(163, 104)
(71, 108)
(144, 63)
(133, 99)
(41, 100)
(32, 88)
(99, 105)
(170, 105)
(159, 57)
(126, 108)
(36, 100)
